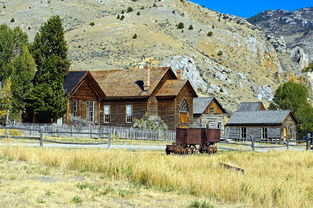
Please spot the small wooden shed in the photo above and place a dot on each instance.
(262, 125)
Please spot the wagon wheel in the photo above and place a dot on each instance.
(215, 149)
(184, 151)
(210, 150)
(189, 150)
(194, 150)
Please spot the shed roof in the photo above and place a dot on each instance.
(250, 106)
(259, 117)
(126, 83)
(72, 79)
(201, 103)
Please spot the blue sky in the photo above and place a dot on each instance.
(250, 8)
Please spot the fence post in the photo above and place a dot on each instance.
(287, 143)
(41, 137)
(252, 144)
(308, 142)
(109, 141)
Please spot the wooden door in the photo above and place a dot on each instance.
(183, 120)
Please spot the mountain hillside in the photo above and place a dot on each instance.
(296, 27)
(222, 55)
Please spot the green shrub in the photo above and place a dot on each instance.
(138, 13)
(309, 68)
(203, 204)
(129, 9)
(210, 34)
(92, 24)
(154, 5)
(220, 53)
(12, 20)
(77, 200)
(190, 27)
(122, 12)
(118, 16)
(122, 17)
(134, 36)
(180, 25)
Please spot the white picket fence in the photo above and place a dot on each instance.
(119, 132)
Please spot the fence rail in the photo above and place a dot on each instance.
(41, 139)
(92, 131)
(259, 144)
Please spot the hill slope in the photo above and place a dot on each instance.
(222, 55)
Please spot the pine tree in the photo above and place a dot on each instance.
(48, 99)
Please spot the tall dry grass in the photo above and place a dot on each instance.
(272, 179)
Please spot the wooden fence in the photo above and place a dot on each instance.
(92, 131)
(41, 134)
(254, 145)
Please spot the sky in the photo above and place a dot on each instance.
(244, 8)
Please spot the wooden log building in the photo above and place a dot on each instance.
(262, 125)
(117, 97)
(208, 113)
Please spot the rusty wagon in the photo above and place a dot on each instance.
(194, 140)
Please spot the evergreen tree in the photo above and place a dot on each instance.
(48, 99)
(23, 67)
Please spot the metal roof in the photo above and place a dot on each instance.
(259, 117)
(72, 79)
(201, 103)
(249, 106)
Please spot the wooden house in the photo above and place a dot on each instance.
(117, 97)
(208, 112)
(250, 106)
(262, 125)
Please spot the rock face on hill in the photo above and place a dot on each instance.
(222, 55)
(296, 27)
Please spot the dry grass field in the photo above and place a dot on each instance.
(116, 178)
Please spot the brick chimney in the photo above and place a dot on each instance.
(146, 84)
(179, 74)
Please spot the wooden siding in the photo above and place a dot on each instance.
(234, 132)
(167, 113)
(84, 92)
(187, 95)
(216, 108)
(273, 132)
(118, 112)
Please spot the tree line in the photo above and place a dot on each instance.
(32, 74)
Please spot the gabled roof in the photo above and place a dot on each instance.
(259, 117)
(126, 83)
(200, 104)
(250, 106)
(173, 87)
(72, 79)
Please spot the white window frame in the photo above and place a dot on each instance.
(129, 114)
(75, 108)
(91, 111)
(107, 114)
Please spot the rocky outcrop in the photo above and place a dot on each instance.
(295, 26)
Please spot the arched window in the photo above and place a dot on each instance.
(183, 107)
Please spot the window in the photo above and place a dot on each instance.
(211, 110)
(129, 113)
(264, 133)
(183, 107)
(107, 113)
(90, 111)
(243, 133)
(74, 108)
